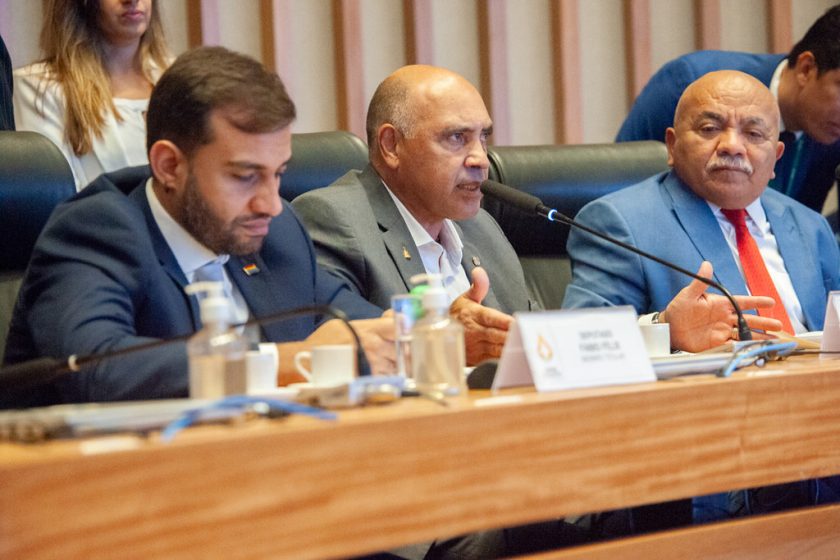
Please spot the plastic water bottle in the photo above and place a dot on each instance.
(438, 357)
(216, 352)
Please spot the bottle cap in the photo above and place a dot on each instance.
(434, 296)
(214, 306)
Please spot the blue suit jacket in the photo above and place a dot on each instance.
(102, 277)
(653, 112)
(664, 217)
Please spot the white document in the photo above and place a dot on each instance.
(571, 349)
(831, 328)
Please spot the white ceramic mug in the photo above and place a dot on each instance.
(657, 339)
(329, 365)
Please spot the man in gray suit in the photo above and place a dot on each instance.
(416, 207)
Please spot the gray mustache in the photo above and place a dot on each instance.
(731, 163)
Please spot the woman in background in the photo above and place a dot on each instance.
(90, 92)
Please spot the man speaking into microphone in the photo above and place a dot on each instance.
(712, 213)
(415, 208)
(109, 270)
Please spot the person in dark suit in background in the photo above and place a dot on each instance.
(806, 85)
(7, 115)
(110, 267)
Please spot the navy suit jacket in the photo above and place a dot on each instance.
(102, 277)
(664, 217)
(653, 112)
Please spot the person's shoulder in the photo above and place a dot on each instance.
(108, 193)
(99, 217)
(637, 193)
(781, 200)
(37, 80)
(345, 190)
(34, 71)
(35, 68)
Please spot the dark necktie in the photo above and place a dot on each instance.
(755, 272)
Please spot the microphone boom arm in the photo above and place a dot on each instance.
(529, 203)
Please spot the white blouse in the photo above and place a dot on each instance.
(122, 143)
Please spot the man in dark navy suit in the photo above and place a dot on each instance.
(110, 267)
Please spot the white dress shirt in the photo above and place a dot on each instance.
(442, 258)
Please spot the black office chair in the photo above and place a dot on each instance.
(319, 158)
(34, 178)
(564, 178)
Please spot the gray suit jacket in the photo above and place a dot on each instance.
(360, 235)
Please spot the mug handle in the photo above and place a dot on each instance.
(303, 355)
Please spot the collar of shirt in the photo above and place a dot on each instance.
(442, 257)
(450, 241)
(774, 89)
(757, 220)
(189, 252)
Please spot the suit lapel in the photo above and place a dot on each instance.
(165, 255)
(471, 259)
(703, 230)
(804, 273)
(395, 235)
(262, 289)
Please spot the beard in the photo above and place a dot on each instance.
(212, 231)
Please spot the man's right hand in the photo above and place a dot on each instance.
(700, 320)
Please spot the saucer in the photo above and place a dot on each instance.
(289, 392)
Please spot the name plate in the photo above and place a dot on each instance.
(831, 328)
(571, 349)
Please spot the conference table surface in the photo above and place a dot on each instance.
(413, 471)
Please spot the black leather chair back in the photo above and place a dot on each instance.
(564, 178)
(319, 158)
(34, 178)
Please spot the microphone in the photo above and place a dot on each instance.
(30, 374)
(533, 205)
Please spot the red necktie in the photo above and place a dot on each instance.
(758, 279)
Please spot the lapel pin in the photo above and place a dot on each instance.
(250, 269)
(406, 254)
(476, 261)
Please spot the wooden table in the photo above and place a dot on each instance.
(414, 471)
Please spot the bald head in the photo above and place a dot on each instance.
(408, 94)
(728, 86)
(427, 133)
(725, 140)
